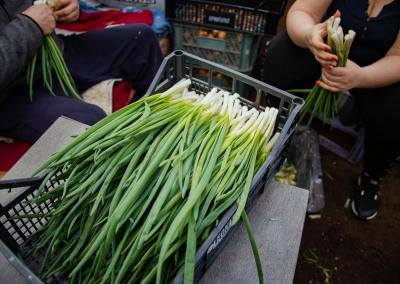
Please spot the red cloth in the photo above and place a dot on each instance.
(122, 93)
(103, 19)
(10, 153)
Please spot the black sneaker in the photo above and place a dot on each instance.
(365, 203)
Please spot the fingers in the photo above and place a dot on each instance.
(68, 13)
(332, 80)
(65, 11)
(331, 74)
(320, 45)
(73, 16)
(320, 49)
(327, 86)
(325, 58)
(58, 4)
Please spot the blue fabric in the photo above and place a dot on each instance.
(89, 5)
(374, 36)
(160, 23)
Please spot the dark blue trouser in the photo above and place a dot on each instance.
(129, 52)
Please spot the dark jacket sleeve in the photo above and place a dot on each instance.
(19, 41)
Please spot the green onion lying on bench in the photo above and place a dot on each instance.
(143, 188)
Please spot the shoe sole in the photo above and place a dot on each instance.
(353, 208)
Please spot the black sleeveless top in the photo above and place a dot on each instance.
(374, 35)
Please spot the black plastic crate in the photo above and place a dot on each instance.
(15, 232)
(176, 66)
(256, 17)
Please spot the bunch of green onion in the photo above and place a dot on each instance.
(51, 59)
(319, 99)
(140, 190)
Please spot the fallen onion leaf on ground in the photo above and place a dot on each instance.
(287, 174)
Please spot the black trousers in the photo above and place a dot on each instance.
(288, 66)
(130, 52)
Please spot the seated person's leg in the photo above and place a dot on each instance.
(130, 52)
(26, 120)
(379, 110)
(288, 66)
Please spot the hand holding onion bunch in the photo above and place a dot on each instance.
(321, 99)
(50, 55)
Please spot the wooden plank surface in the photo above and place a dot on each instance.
(277, 219)
(8, 274)
(53, 139)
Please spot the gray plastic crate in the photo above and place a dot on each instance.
(176, 66)
(235, 50)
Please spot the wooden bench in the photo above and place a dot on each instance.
(277, 219)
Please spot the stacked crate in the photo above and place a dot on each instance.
(226, 32)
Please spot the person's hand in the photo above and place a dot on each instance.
(340, 79)
(66, 10)
(317, 46)
(43, 16)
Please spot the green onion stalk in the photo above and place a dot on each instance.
(51, 59)
(320, 100)
(136, 194)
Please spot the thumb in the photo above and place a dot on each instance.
(323, 28)
(337, 13)
(325, 23)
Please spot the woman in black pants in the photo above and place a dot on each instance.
(298, 57)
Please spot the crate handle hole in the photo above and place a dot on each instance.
(298, 101)
(178, 52)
